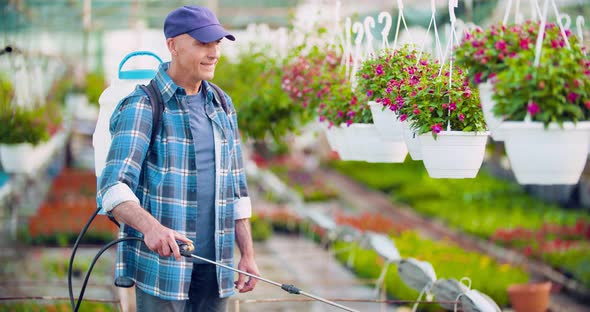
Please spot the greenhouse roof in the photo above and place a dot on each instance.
(98, 15)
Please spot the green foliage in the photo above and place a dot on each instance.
(56, 307)
(381, 77)
(484, 52)
(481, 206)
(94, 86)
(556, 91)
(448, 260)
(305, 183)
(261, 229)
(573, 261)
(264, 109)
(343, 106)
(440, 100)
(21, 125)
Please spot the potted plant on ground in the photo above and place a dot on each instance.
(545, 99)
(446, 114)
(484, 52)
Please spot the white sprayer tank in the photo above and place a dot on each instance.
(120, 87)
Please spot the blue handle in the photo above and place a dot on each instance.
(138, 73)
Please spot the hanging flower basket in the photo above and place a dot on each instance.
(362, 142)
(546, 156)
(453, 154)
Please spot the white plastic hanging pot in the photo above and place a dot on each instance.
(412, 142)
(386, 122)
(486, 90)
(453, 154)
(333, 139)
(362, 142)
(546, 156)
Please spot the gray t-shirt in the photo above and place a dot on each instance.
(202, 131)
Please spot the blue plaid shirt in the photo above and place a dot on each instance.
(164, 181)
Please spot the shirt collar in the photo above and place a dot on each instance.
(167, 86)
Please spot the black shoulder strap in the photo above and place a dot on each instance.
(157, 103)
(219, 96)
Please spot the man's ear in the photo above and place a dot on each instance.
(171, 46)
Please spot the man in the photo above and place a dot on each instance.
(187, 185)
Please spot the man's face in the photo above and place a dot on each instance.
(195, 58)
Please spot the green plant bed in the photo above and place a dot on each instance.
(56, 307)
(66, 239)
(483, 206)
(305, 183)
(448, 260)
(574, 262)
(261, 229)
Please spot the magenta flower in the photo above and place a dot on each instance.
(370, 93)
(379, 70)
(436, 128)
(501, 45)
(533, 108)
(478, 78)
(461, 117)
(572, 97)
(416, 111)
(403, 117)
(453, 106)
(587, 104)
(467, 92)
(525, 43)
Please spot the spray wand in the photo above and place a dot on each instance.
(187, 249)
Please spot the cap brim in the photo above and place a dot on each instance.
(211, 33)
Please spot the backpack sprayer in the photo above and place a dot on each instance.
(127, 80)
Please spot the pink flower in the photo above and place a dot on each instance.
(436, 128)
(379, 70)
(416, 111)
(533, 108)
(403, 117)
(478, 77)
(370, 93)
(445, 105)
(572, 97)
(587, 104)
(525, 43)
(461, 117)
(501, 45)
(467, 92)
(453, 106)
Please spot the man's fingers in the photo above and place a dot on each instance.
(249, 285)
(241, 281)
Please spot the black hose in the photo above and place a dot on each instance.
(100, 252)
(76, 244)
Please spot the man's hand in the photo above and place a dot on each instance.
(162, 241)
(246, 283)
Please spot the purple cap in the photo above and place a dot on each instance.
(199, 22)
